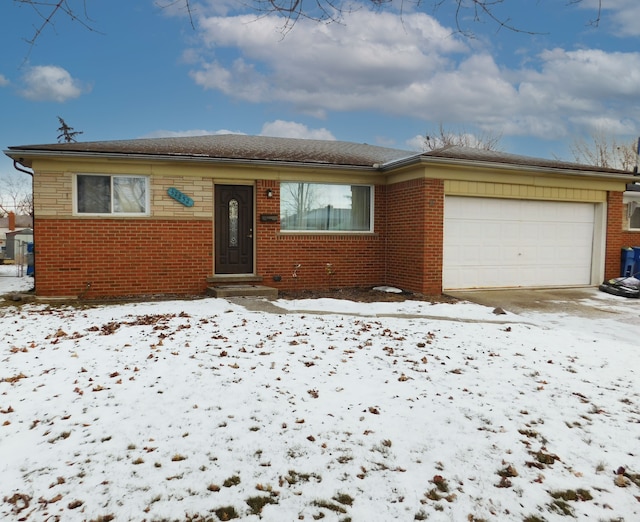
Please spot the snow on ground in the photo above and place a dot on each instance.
(202, 410)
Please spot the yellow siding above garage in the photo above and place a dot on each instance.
(514, 191)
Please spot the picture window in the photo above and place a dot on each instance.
(331, 207)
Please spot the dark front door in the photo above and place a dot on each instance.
(234, 229)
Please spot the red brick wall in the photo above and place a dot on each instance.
(415, 221)
(121, 257)
(357, 260)
(617, 236)
(126, 257)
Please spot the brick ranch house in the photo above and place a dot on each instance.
(179, 215)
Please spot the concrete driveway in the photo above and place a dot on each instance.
(579, 302)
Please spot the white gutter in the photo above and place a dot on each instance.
(413, 159)
(422, 159)
(17, 155)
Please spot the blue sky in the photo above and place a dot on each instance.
(380, 77)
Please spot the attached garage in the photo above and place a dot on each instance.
(503, 243)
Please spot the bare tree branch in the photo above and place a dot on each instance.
(334, 10)
(15, 194)
(328, 11)
(442, 138)
(291, 11)
(50, 11)
(187, 7)
(596, 21)
(605, 151)
(486, 7)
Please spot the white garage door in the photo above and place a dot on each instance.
(493, 243)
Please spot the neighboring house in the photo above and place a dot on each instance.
(16, 244)
(176, 215)
(9, 225)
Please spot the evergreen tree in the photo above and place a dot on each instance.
(67, 134)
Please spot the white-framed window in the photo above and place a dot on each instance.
(632, 201)
(325, 207)
(111, 194)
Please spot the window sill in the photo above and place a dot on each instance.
(109, 216)
(325, 234)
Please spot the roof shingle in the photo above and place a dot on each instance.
(243, 148)
(240, 147)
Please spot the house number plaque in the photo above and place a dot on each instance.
(180, 197)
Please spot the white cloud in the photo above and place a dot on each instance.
(620, 16)
(579, 86)
(218, 7)
(613, 126)
(194, 10)
(416, 143)
(291, 129)
(50, 83)
(241, 80)
(3, 81)
(593, 73)
(317, 66)
(385, 141)
(161, 133)
(410, 65)
(627, 18)
(276, 128)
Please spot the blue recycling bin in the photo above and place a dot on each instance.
(636, 258)
(30, 263)
(627, 262)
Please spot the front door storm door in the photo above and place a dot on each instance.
(234, 229)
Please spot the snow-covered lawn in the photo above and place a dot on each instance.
(202, 410)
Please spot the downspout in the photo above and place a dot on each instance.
(15, 166)
(19, 167)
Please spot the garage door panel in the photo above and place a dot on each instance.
(525, 253)
(531, 230)
(488, 256)
(496, 243)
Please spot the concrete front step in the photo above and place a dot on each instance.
(225, 279)
(243, 290)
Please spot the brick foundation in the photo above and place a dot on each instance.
(121, 257)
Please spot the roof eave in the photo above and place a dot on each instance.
(421, 159)
(25, 157)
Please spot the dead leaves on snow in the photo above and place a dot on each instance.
(441, 491)
(158, 321)
(14, 378)
(19, 501)
(624, 478)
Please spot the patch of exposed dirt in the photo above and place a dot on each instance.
(365, 295)
(361, 295)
